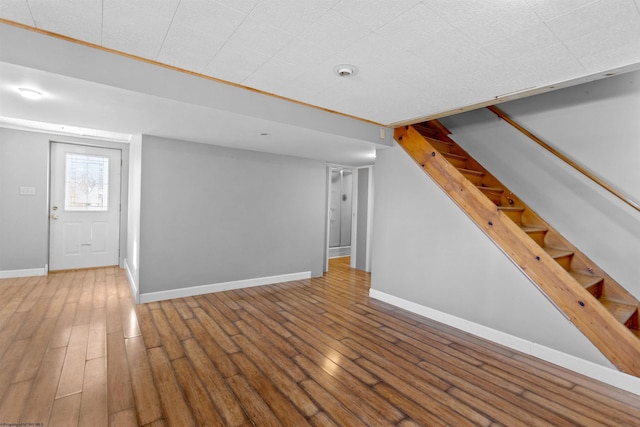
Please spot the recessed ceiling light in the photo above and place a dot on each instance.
(29, 93)
(346, 70)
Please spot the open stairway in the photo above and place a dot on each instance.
(600, 307)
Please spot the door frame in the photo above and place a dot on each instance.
(354, 214)
(124, 188)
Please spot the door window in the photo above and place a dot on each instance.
(86, 183)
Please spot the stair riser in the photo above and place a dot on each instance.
(459, 163)
(493, 196)
(441, 146)
(595, 290)
(537, 236)
(564, 261)
(475, 179)
(632, 323)
(515, 216)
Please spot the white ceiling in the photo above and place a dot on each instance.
(415, 58)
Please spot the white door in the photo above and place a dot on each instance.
(84, 209)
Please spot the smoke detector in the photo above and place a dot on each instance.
(345, 70)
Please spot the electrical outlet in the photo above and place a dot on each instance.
(382, 133)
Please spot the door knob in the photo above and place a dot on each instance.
(54, 216)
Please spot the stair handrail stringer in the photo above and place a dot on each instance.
(615, 341)
(583, 170)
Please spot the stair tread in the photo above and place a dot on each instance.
(557, 252)
(432, 139)
(471, 172)
(585, 279)
(511, 208)
(492, 189)
(454, 156)
(619, 310)
(533, 228)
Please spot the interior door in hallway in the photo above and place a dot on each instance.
(84, 208)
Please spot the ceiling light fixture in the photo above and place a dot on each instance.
(346, 70)
(29, 93)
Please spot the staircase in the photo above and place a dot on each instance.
(600, 307)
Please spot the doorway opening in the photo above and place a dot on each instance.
(340, 210)
(349, 215)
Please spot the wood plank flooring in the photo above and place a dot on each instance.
(76, 351)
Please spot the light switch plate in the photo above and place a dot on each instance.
(27, 191)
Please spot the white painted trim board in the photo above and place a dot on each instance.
(27, 272)
(581, 366)
(132, 282)
(218, 287)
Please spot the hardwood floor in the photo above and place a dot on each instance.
(75, 350)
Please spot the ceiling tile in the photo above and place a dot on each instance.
(293, 16)
(303, 52)
(244, 6)
(417, 26)
(199, 29)
(137, 27)
(556, 60)
(619, 56)
(486, 21)
(523, 43)
(373, 13)
(548, 10)
(274, 76)
(16, 10)
(235, 64)
(334, 31)
(598, 27)
(259, 36)
(79, 19)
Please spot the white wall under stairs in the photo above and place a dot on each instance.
(427, 251)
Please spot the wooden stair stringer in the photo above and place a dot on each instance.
(616, 342)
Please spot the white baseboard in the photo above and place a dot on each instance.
(218, 287)
(132, 282)
(581, 366)
(10, 274)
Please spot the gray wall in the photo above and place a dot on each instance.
(598, 125)
(24, 227)
(427, 251)
(212, 215)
